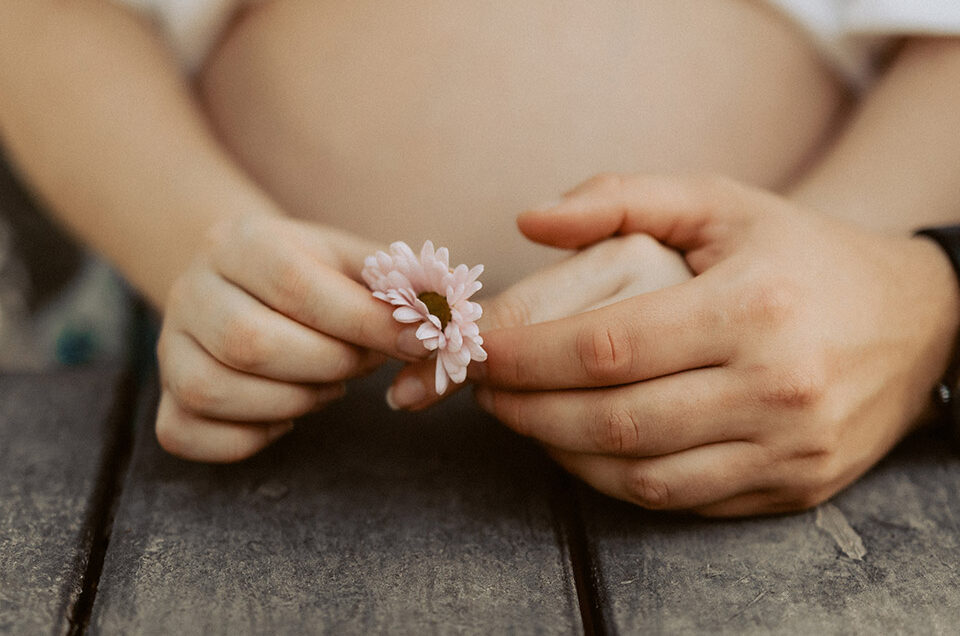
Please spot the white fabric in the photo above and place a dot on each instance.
(192, 27)
(850, 34)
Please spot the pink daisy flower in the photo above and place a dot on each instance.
(425, 290)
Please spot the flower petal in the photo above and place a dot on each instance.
(454, 337)
(402, 250)
(443, 255)
(459, 375)
(406, 315)
(440, 378)
(397, 280)
(476, 351)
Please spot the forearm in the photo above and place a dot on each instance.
(102, 125)
(897, 164)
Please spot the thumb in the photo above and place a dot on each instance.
(682, 212)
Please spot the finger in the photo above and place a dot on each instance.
(778, 497)
(345, 251)
(684, 213)
(298, 283)
(414, 388)
(571, 285)
(688, 479)
(664, 271)
(201, 439)
(761, 502)
(657, 417)
(207, 388)
(670, 330)
(244, 334)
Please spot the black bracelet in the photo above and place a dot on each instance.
(946, 394)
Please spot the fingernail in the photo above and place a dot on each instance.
(484, 397)
(406, 392)
(546, 205)
(279, 430)
(409, 345)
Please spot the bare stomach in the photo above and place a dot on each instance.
(442, 120)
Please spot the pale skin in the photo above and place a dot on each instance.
(816, 339)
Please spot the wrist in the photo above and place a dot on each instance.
(941, 248)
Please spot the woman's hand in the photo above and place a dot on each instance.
(799, 354)
(264, 326)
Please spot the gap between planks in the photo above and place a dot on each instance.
(114, 462)
(572, 533)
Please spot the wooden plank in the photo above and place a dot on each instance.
(362, 520)
(58, 433)
(879, 558)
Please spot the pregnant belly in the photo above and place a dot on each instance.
(442, 120)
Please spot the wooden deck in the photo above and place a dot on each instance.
(364, 520)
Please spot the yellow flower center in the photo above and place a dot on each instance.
(436, 305)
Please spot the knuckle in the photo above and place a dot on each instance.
(647, 489)
(607, 181)
(615, 251)
(509, 310)
(339, 366)
(605, 351)
(637, 243)
(194, 392)
(365, 331)
(769, 302)
(616, 430)
(512, 412)
(336, 361)
(242, 344)
(290, 284)
(167, 430)
(797, 388)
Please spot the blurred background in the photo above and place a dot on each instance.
(59, 304)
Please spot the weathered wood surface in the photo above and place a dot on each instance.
(883, 557)
(57, 433)
(361, 521)
(365, 520)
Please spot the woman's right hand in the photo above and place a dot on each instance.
(264, 326)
